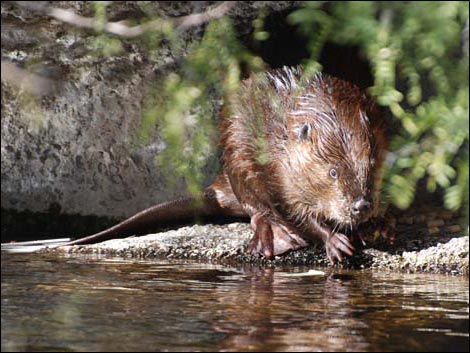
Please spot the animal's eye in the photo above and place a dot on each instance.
(304, 132)
(333, 173)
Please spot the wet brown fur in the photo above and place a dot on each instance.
(276, 173)
(281, 134)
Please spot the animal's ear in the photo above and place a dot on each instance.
(303, 131)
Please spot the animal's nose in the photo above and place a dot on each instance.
(360, 206)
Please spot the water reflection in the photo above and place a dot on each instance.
(86, 303)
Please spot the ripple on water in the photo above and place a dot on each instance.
(89, 303)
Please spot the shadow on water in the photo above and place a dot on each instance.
(57, 303)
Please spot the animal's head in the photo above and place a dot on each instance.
(332, 156)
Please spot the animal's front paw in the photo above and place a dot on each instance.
(335, 244)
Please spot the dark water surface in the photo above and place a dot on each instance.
(57, 303)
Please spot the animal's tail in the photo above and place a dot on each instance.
(217, 200)
(181, 210)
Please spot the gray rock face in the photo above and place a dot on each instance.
(80, 155)
(75, 149)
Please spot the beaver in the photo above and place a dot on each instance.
(301, 157)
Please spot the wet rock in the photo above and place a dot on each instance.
(451, 257)
(227, 243)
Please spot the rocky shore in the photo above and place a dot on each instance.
(412, 250)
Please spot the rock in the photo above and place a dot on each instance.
(75, 149)
(224, 243)
(451, 257)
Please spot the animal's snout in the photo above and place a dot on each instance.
(360, 207)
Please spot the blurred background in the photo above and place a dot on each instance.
(111, 107)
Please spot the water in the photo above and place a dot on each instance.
(57, 303)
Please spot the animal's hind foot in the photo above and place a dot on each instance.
(271, 239)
